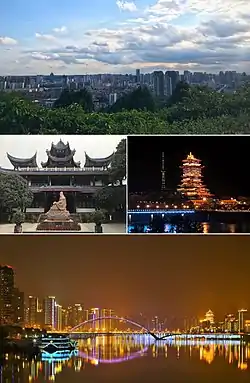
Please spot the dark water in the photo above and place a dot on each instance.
(204, 228)
(136, 359)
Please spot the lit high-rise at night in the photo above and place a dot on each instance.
(50, 312)
(32, 311)
(6, 295)
(192, 185)
(242, 317)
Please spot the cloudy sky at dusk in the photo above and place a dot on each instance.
(166, 276)
(27, 146)
(82, 36)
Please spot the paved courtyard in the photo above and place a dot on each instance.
(109, 228)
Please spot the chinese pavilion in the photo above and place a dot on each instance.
(192, 185)
(62, 173)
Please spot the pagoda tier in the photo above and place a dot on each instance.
(23, 162)
(98, 162)
(60, 156)
(192, 185)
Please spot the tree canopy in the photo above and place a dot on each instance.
(81, 97)
(140, 99)
(118, 164)
(14, 192)
(113, 197)
(190, 110)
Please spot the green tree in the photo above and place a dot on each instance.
(139, 99)
(81, 97)
(112, 198)
(180, 92)
(14, 192)
(118, 169)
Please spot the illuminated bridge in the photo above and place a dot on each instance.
(143, 329)
(162, 211)
(80, 329)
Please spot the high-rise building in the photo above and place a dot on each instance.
(242, 318)
(49, 312)
(76, 315)
(138, 76)
(192, 185)
(94, 315)
(159, 83)
(32, 311)
(112, 98)
(168, 86)
(231, 323)
(6, 295)
(58, 317)
(174, 76)
(107, 324)
(18, 306)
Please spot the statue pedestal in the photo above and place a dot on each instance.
(58, 218)
(58, 225)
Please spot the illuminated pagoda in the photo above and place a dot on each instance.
(60, 172)
(192, 185)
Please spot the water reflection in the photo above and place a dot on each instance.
(194, 227)
(126, 350)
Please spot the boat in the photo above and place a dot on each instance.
(56, 344)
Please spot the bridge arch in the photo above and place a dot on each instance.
(115, 318)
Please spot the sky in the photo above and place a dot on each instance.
(173, 276)
(225, 160)
(118, 36)
(27, 146)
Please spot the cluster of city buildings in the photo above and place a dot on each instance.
(45, 313)
(48, 314)
(107, 88)
(232, 323)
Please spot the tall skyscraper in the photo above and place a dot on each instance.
(168, 86)
(95, 314)
(138, 76)
(159, 83)
(49, 313)
(76, 315)
(107, 324)
(175, 78)
(58, 317)
(6, 295)
(242, 317)
(32, 311)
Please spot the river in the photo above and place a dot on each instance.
(136, 359)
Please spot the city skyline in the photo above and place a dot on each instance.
(223, 170)
(144, 292)
(121, 36)
(29, 311)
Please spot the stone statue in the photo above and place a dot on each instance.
(58, 211)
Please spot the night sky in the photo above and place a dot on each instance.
(173, 276)
(226, 160)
